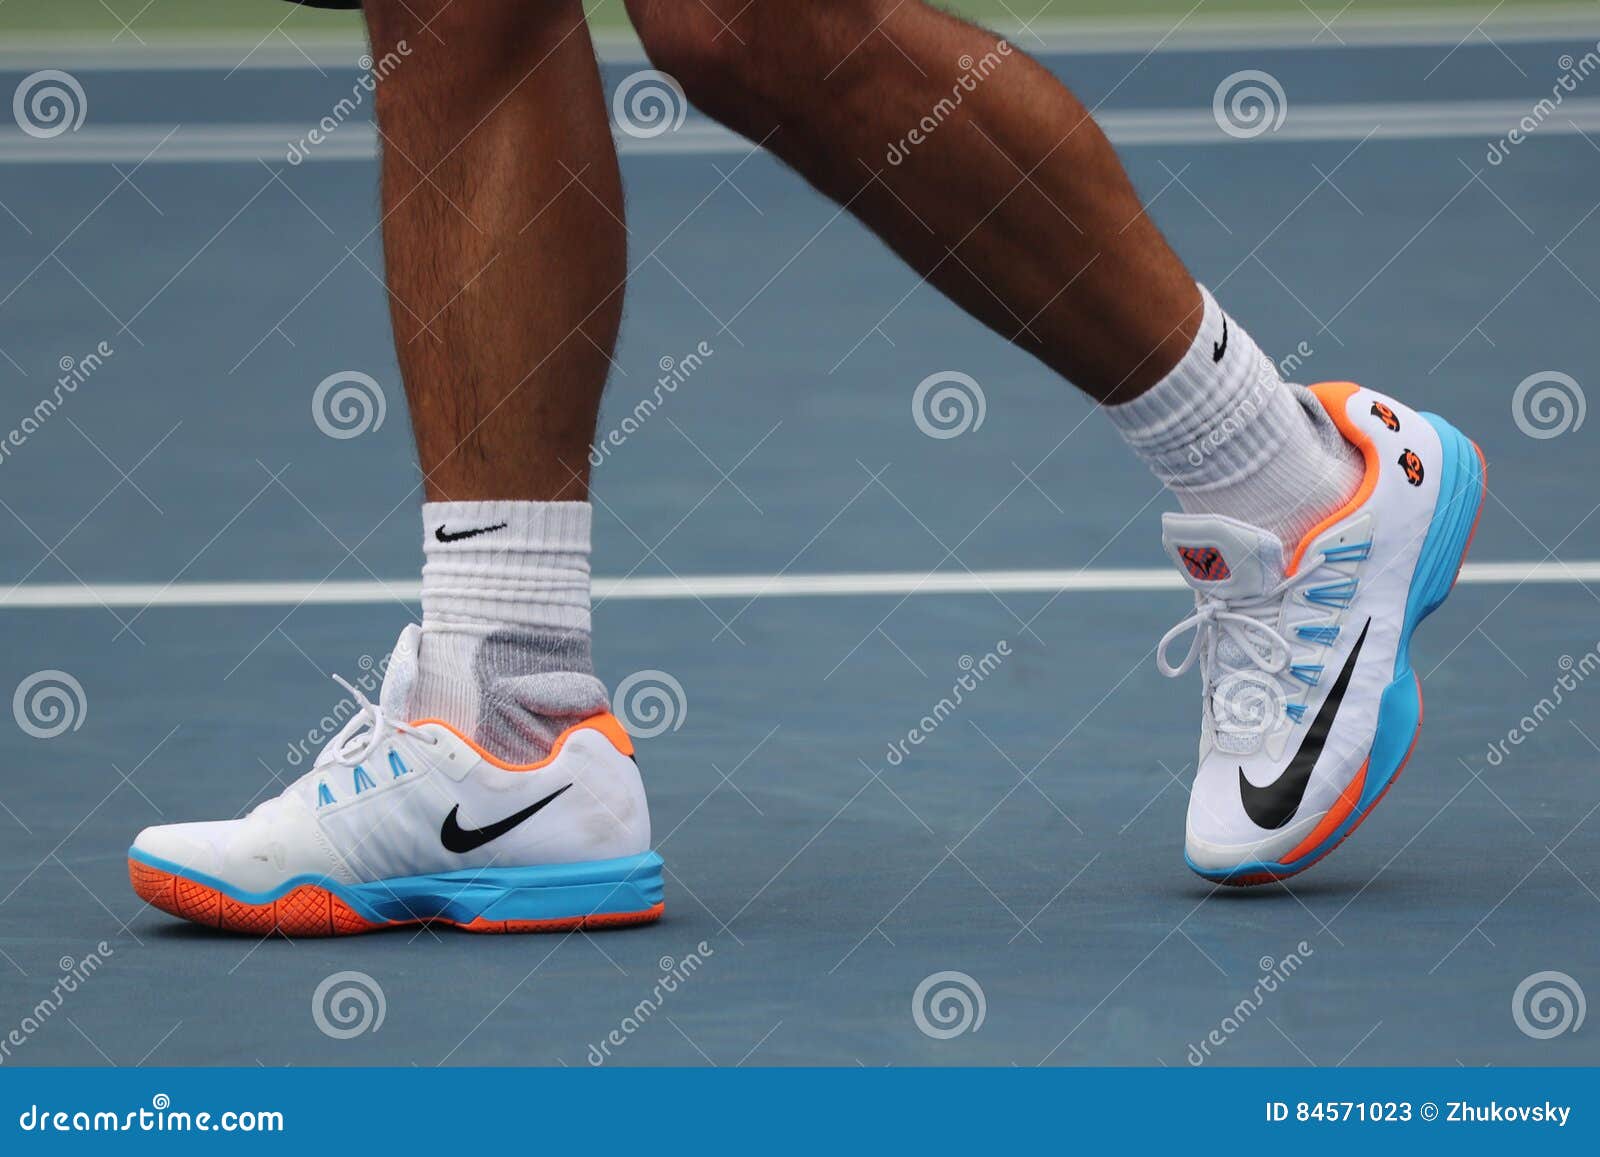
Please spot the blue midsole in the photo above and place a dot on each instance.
(1461, 493)
(542, 892)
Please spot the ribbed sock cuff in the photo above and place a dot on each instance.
(1198, 426)
(506, 564)
(1227, 435)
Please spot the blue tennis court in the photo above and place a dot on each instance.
(807, 575)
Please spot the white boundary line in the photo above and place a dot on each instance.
(1127, 128)
(1223, 33)
(46, 596)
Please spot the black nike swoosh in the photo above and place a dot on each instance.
(444, 536)
(1218, 350)
(455, 838)
(1273, 806)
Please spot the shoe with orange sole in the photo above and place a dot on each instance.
(412, 822)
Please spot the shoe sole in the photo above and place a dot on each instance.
(553, 898)
(1450, 535)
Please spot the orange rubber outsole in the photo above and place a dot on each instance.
(312, 911)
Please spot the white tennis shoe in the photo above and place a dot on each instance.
(1310, 706)
(403, 822)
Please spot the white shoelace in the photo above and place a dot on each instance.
(364, 732)
(1214, 618)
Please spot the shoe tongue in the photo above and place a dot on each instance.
(401, 675)
(1223, 556)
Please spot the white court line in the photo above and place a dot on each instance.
(357, 141)
(1054, 37)
(44, 596)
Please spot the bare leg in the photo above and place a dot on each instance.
(506, 256)
(1014, 203)
(991, 179)
(503, 239)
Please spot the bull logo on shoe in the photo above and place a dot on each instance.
(1385, 415)
(1412, 465)
(1205, 563)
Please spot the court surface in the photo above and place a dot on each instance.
(1033, 841)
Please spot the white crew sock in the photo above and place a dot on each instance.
(505, 623)
(1228, 436)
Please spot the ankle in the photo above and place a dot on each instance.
(505, 652)
(1228, 436)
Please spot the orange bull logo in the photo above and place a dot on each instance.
(1412, 465)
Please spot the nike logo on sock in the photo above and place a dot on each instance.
(1273, 806)
(1218, 349)
(455, 838)
(445, 536)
